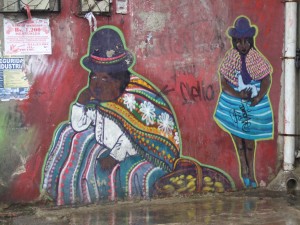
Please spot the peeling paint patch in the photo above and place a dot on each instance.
(67, 38)
(154, 21)
(36, 65)
(39, 65)
(110, 53)
(142, 47)
(205, 5)
(21, 169)
(17, 141)
(262, 183)
(149, 37)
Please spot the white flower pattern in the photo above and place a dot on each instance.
(129, 101)
(148, 110)
(166, 124)
(176, 138)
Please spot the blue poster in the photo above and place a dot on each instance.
(13, 81)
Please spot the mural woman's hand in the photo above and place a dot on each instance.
(107, 163)
(264, 87)
(245, 94)
(84, 97)
(255, 101)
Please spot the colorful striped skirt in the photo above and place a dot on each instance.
(237, 117)
(72, 172)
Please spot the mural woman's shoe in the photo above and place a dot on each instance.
(246, 181)
(253, 184)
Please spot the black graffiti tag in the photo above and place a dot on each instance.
(198, 92)
(242, 117)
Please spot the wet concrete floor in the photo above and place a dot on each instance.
(238, 208)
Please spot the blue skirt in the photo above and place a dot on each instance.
(237, 117)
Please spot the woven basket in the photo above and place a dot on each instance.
(181, 167)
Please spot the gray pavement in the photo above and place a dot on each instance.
(237, 208)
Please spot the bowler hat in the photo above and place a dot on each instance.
(107, 51)
(242, 29)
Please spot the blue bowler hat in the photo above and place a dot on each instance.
(242, 29)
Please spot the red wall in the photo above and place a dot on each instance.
(186, 43)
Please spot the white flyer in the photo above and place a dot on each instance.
(30, 37)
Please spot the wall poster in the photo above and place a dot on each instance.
(30, 37)
(13, 81)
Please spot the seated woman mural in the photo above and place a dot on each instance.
(122, 135)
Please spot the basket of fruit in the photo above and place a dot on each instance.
(215, 181)
(186, 178)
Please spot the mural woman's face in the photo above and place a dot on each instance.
(243, 45)
(104, 87)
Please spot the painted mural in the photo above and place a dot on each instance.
(244, 109)
(122, 138)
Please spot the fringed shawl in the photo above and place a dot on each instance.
(257, 65)
(148, 121)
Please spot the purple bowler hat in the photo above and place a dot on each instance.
(242, 29)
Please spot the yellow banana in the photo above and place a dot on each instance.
(180, 183)
(208, 189)
(192, 189)
(207, 179)
(189, 177)
(169, 188)
(209, 183)
(218, 184)
(179, 190)
(191, 184)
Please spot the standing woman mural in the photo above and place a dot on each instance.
(244, 109)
